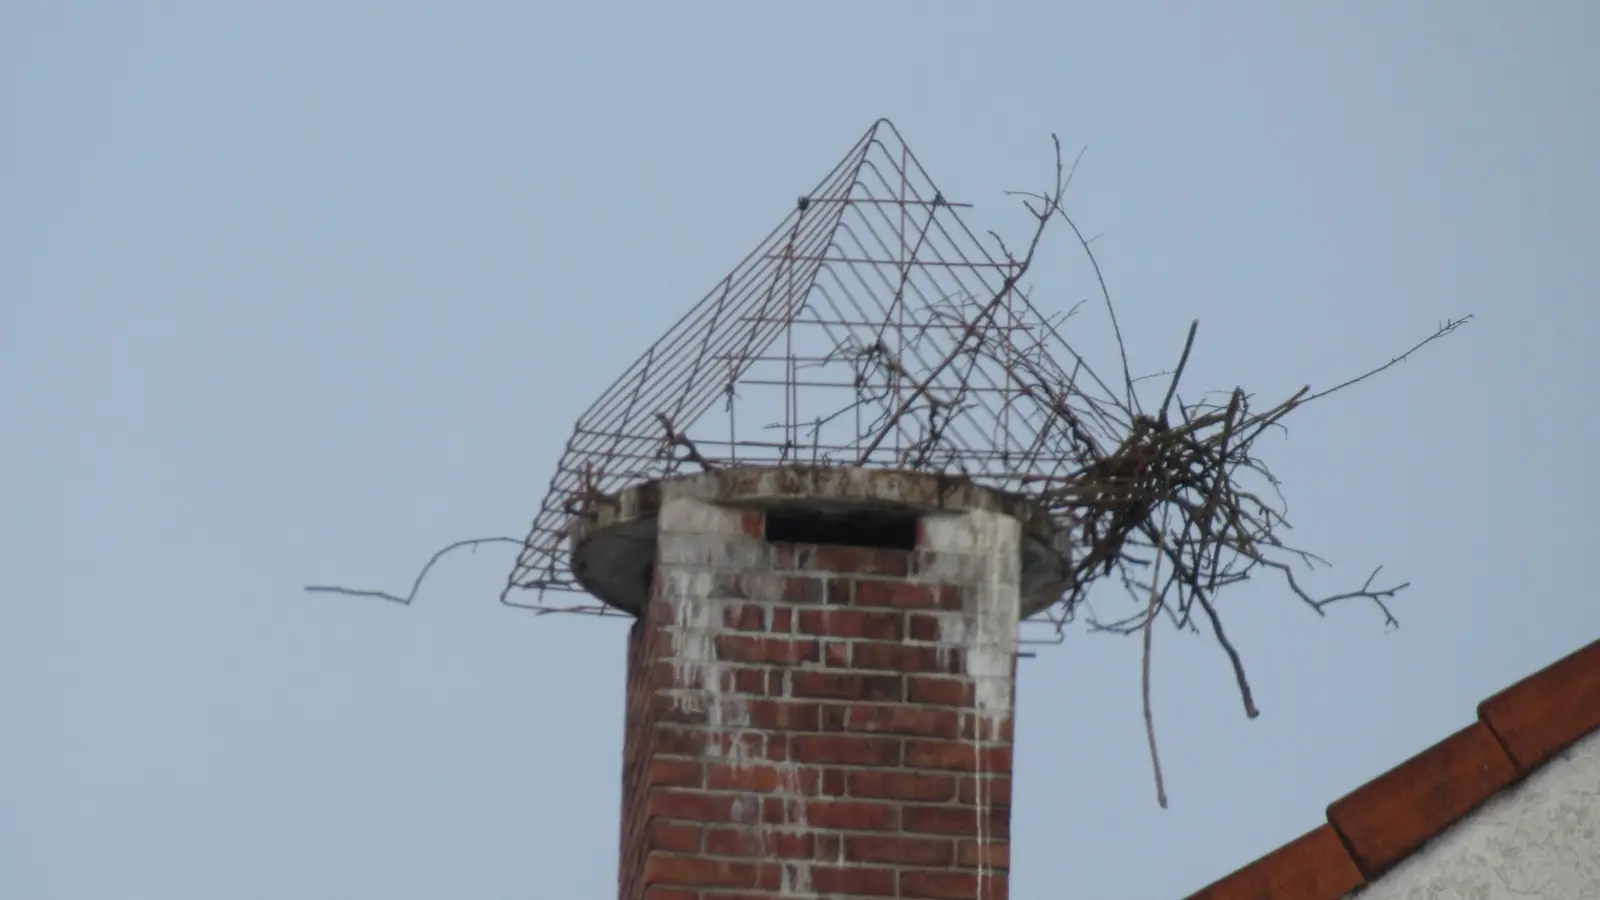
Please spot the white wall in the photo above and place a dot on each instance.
(1539, 839)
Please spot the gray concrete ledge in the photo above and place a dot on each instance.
(613, 541)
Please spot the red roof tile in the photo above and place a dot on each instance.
(1390, 817)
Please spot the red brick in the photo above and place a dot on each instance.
(855, 880)
(953, 885)
(760, 779)
(680, 709)
(849, 750)
(661, 893)
(952, 597)
(764, 650)
(957, 755)
(846, 751)
(841, 592)
(782, 620)
(779, 715)
(673, 773)
(956, 820)
(763, 843)
(744, 681)
(852, 623)
(856, 560)
(699, 742)
(901, 785)
(995, 727)
(897, 594)
(836, 654)
(745, 617)
(996, 790)
(920, 627)
(844, 815)
(689, 871)
(1313, 866)
(939, 691)
(905, 657)
(907, 851)
(689, 805)
(656, 612)
(672, 837)
(846, 686)
(988, 854)
(669, 675)
(833, 717)
(833, 782)
(889, 719)
(1386, 819)
(753, 523)
(802, 589)
(1546, 712)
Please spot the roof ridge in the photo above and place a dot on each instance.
(1376, 826)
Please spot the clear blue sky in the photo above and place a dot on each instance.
(298, 292)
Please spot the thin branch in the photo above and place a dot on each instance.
(1132, 399)
(676, 439)
(1149, 715)
(1177, 374)
(1449, 326)
(416, 585)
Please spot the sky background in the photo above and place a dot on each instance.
(299, 292)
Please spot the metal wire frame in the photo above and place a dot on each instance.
(806, 349)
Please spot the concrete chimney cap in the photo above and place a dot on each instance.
(613, 537)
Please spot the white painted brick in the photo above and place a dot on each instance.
(684, 515)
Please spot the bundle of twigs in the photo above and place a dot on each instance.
(1172, 503)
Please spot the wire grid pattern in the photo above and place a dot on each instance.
(870, 328)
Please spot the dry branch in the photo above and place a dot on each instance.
(416, 584)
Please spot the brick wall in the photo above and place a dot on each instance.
(820, 721)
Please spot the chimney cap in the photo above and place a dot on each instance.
(613, 538)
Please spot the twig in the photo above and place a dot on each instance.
(691, 452)
(417, 584)
(1149, 715)
(1132, 399)
(1177, 374)
(1449, 326)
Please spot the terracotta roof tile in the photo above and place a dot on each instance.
(1543, 714)
(1313, 866)
(1390, 817)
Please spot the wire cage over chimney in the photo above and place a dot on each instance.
(871, 328)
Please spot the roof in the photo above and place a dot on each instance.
(1379, 824)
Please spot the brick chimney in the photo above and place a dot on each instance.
(820, 680)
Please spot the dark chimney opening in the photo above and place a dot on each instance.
(884, 529)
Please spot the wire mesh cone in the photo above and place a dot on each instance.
(870, 328)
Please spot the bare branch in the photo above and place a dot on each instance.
(1449, 326)
(1149, 715)
(676, 439)
(416, 585)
